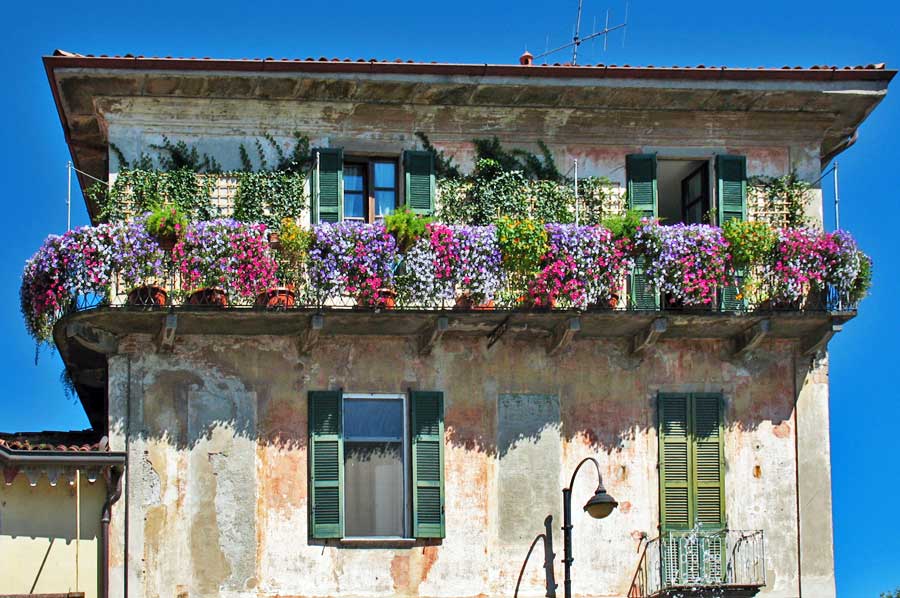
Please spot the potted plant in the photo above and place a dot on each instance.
(522, 244)
(355, 260)
(136, 259)
(224, 260)
(750, 244)
(291, 251)
(479, 273)
(406, 227)
(166, 223)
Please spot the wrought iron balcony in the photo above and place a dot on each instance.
(686, 563)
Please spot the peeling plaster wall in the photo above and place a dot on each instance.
(217, 444)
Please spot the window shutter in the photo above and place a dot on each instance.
(327, 185)
(419, 170)
(640, 170)
(427, 432)
(731, 172)
(709, 489)
(674, 462)
(326, 464)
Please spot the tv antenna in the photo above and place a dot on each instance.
(577, 40)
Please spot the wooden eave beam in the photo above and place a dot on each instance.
(752, 337)
(650, 336)
(563, 335)
(498, 332)
(432, 333)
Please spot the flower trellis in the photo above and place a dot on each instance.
(582, 267)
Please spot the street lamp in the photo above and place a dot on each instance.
(599, 506)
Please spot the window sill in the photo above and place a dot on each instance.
(378, 542)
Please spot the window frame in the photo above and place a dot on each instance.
(367, 162)
(407, 464)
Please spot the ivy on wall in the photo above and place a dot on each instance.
(517, 184)
(185, 178)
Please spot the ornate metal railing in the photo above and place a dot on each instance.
(697, 560)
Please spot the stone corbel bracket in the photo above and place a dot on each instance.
(818, 342)
(643, 340)
(92, 338)
(563, 334)
(752, 337)
(165, 338)
(310, 336)
(432, 333)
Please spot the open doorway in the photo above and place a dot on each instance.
(684, 191)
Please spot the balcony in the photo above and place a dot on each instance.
(731, 562)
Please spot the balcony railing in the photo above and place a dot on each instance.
(688, 561)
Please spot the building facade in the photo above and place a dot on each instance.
(326, 450)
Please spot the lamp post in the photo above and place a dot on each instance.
(599, 506)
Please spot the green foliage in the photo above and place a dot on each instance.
(166, 222)
(269, 196)
(894, 594)
(181, 156)
(291, 251)
(860, 289)
(530, 165)
(623, 226)
(750, 242)
(296, 161)
(135, 192)
(595, 196)
(789, 188)
(443, 165)
(522, 244)
(406, 227)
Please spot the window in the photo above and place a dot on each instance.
(370, 189)
(376, 465)
(691, 462)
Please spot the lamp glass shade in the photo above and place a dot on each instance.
(601, 504)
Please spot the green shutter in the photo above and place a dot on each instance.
(731, 172)
(419, 169)
(326, 464)
(691, 462)
(640, 170)
(674, 463)
(708, 462)
(427, 431)
(327, 185)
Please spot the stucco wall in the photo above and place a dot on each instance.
(217, 484)
(37, 537)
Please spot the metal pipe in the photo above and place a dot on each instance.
(113, 480)
(77, 523)
(69, 197)
(837, 199)
(549, 556)
(576, 193)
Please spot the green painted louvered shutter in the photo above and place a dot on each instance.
(708, 463)
(326, 464)
(731, 172)
(676, 511)
(327, 186)
(419, 170)
(640, 171)
(427, 430)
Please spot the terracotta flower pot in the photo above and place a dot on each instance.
(527, 302)
(384, 299)
(167, 242)
(210, 297)
(147, 296)
(275, 240)
(278, 298)
(465, 301)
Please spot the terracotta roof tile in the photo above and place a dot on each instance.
(74, 441)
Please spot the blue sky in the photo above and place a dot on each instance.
(864, 402)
